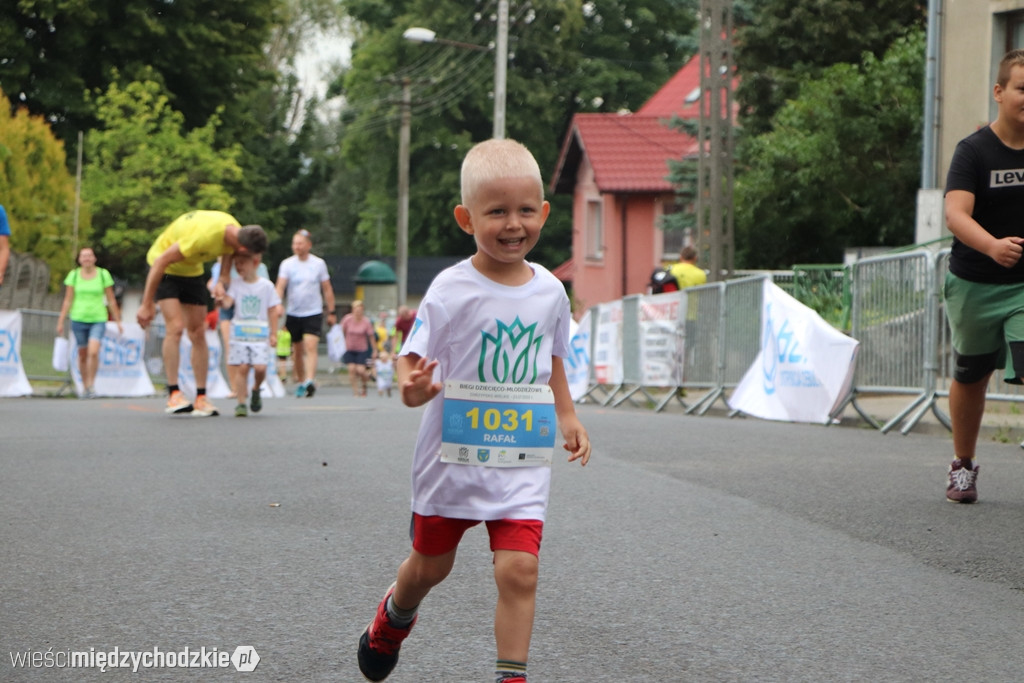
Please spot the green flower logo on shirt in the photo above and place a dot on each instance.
(249, 307)
(510, 356)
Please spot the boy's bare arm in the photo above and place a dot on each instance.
(415, 380)
(1005, 251)
(577, 442)
(273, 315)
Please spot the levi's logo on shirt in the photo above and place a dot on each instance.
(1007, 177)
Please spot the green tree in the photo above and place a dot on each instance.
(205, 54)
(37, 190)
(567, 57)
(840, 167)
(788, 42)
(144, 169)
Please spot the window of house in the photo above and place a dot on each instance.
(1014, 31)
(1007, 34)
(673, 235)
(595, 230)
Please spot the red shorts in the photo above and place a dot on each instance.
(435, 535)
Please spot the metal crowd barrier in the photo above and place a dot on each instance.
(894, 316)
(38, 330)
(897, 314)
(722, 328)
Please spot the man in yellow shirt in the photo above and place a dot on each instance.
(686, 272)
(177, 282)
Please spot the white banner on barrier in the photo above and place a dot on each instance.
(577, 365)
(13, 380)
(805, 367)
(122, 367)
(608, 345)
(662, 339)
(216, 385)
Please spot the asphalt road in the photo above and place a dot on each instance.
(690, 549)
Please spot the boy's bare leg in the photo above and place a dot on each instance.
(418, 574)
(966, 409)
(259, 374)
(515, 573)
(240, 377)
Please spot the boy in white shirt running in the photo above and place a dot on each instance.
(253, 329)
(494, 328)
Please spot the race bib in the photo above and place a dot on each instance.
(250, 331)
(498, 425)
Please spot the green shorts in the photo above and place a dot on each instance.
(986, 321)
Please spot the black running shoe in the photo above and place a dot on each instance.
(380, 642)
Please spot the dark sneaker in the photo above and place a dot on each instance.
(962, 487)
(256, 403)
(310, 389)
(380, 642)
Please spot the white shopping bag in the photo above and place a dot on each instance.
(61, 354)
(335, 343)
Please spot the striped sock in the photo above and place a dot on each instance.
(400, 618)
(505, 669)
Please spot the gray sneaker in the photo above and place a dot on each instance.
(962, 483)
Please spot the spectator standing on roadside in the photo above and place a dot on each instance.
(304, 283)
(686, 272)
(360, 347)
(89, 302)
(403, 326)
(5, 243)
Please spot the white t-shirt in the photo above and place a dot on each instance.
(303, 292)
(252, 299)
(470, 325)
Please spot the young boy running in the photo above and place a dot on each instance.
(985, 283)
(494, 328)
(253, 329)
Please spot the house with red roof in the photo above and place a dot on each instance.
(616, 168)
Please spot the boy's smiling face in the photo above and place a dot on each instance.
(505, 218)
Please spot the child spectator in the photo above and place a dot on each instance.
(253, 329)
(384, 371)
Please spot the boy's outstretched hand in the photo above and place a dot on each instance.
(576, 440)
(416, 379)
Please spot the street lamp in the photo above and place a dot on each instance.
(425, 35)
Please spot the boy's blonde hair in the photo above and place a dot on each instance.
(1010, 59)
(494, 159)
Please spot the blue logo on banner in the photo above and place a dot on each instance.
(8, 347)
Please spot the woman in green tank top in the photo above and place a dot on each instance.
(88, 296)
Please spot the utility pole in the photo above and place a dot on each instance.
(501, 70)
(715, 214)
(402, 230)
